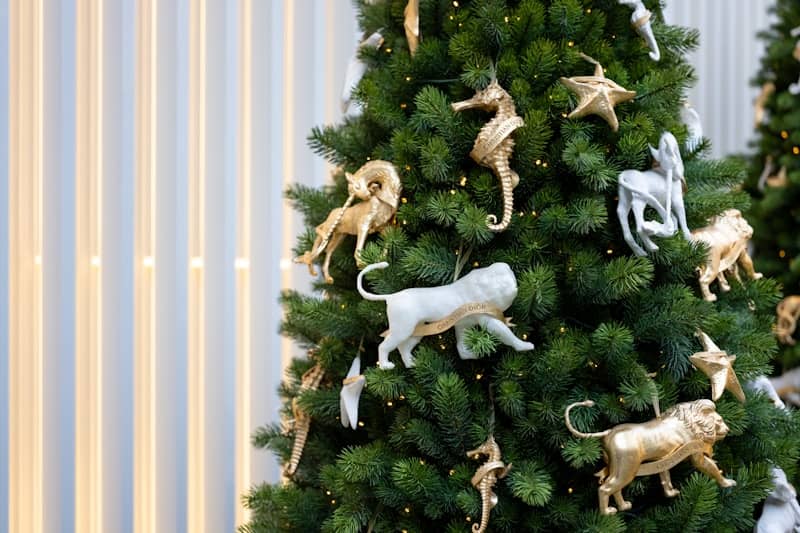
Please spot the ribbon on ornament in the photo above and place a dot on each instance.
(469, 309)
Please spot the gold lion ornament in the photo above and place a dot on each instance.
(378, 186)
(688, 429)
(788, 311)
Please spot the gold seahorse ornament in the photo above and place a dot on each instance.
(494, 145)
(302, 421)
(486, 477)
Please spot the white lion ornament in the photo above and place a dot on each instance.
(479, 298)
(661, 189)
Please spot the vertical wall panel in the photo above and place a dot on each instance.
(4, 205)
(25, 250)
(728, 58)
(58, 265)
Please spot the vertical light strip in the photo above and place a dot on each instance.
(289, 118)
(144, 515)
(4, 263)
(243, 198)
(25, 226)
(197, 183)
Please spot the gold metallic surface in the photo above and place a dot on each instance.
(687, 430)
(302, 422)
(494, 145)
(597, 95)
(718, 366)
(378, 186)
(411, 25)
(788, 310)
(486, 477)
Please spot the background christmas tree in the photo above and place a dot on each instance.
(775, 214)
(603, 320)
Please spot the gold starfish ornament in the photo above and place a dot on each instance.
(597, 94)
(718, 366)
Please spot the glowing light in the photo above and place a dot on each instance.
(95, 261)
(242, 263)
(37, 260)
(361, 424)
(784, 134)
(196, 262)
(148, 262)
(285, 264)
(782, 254)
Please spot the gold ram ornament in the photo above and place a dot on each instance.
(494, 145)
(378, 186)
(686, 430)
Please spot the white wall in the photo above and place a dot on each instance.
(145, 145)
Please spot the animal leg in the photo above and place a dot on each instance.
(707, 466)
(602, 496)
(389, 343)
(363, 230)
(638, 215)
(505, 334)
(623, 209)
(666, 483)
(723, 282)
(463, 350)
(334, 243)
(679, 209)
(622, 504)
(747, 263)
(405, 349)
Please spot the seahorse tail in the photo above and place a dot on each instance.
(508, 205)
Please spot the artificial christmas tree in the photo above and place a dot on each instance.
(775, 167)
(469, 434)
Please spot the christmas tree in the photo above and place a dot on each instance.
(501, 140)
(775, 166)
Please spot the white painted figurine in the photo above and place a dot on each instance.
(727, 237)
(479, 298)
(355, 71)
(694, 126)
(795, 87)
(661, 189)
(763, 384)
(781, 512)
(640, 20)
(788, 386)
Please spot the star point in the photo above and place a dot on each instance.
(718, 366)
(597, 95)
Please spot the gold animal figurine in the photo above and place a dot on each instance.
(302, 422)
(494, 145)
(486, 477)
(378, 186)
(726, 236)
(688, 429)
(788, 311)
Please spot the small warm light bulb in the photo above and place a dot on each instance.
(37, 260)
(95, 261)
(478, 376)
(242, 263)
(782, 254)
(796, 150)
(407, 510)
(784, 134)
(571, 44)
(285, 264)
(148, 261)
(390, 403)
(196, 262)
(569, 490)
(361, 424)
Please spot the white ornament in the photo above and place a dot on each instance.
(640, 20)
(764, 385)
(788, 386)
(660, 188)
(479, 298)
(355, 71)
(726, 237)
(350, 394)
(691, 119)
(781, 513)
(795, 87)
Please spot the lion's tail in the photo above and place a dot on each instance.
(587, 403)
(368, 295)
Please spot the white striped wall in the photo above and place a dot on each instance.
(145, 145)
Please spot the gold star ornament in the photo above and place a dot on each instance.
(597, 95)
(718, 366)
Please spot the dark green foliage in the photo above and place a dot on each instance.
(607, 325)
(774, 215)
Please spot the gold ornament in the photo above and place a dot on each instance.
(787, 386)
(486, 477)
(494, 145)
(688, 429)
(302, 422)
(378, 185)
(411, 25)
(767, 179)
(788, 310)
(598, 95)
(767, 90)
(718, 366)
(727, 237)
